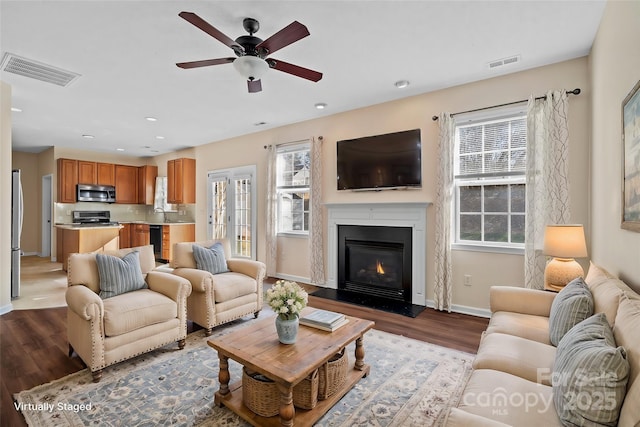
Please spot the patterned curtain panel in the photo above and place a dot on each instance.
(547, 178)
(316, 251)
(444, 194)
(272, 206)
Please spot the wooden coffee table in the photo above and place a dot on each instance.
(257, 347)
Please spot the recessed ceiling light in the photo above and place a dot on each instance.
(147, 146)
(401, 84)
(159, 137)
(86, 135)
(119, 149)
(321, 105)
(151, 119)
(16, 110)
(260, 123)
(155, 151)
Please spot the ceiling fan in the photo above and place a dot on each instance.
(252, 52)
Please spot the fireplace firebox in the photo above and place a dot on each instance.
(375, 261)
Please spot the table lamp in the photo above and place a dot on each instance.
(564, 243)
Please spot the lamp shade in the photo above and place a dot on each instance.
(565, 241)
(251, 67)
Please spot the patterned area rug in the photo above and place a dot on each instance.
(412, 383)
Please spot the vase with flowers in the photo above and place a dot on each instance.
(287, 299)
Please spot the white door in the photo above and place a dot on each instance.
(230, 208)
(47, 207)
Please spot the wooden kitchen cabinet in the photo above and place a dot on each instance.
(106, 173)
(176, 233)
(147, 184)
(140, 235)
(126, 184)
(125, 235)
(67, 176)
(181, 181)
(83, 240)
(87, 172)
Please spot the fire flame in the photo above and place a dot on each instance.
(379, 268)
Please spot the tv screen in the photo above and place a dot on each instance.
(375, 162)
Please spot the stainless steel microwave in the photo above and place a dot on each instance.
(96, 193)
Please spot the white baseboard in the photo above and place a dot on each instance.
(30, 253)
(463, 309)
(6, 309)
(292, 278)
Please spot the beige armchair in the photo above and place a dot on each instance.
(103, 332)
(219, 298)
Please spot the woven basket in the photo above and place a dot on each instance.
(332, 375)
(305, 393)
(261, 395)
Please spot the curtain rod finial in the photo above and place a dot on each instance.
(434, 118)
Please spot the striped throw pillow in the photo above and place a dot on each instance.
(119, 275)
(590, 374)
(573, 304)
(210, 259)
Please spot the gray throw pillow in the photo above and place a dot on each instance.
(119, 275)
(210, 259)
(572, 305)
(589, 375)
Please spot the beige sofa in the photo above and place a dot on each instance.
(514, 368)
(106, 331)
(219, 298)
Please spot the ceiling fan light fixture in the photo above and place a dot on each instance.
(251, 67)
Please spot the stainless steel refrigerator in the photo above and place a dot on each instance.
(17, 207)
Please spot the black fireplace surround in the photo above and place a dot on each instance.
(375, 261)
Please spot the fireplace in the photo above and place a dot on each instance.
(375, 261)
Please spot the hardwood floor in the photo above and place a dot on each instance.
(33, 343)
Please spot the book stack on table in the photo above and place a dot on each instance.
(324, 319)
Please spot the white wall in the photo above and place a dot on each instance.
(615, 69)
(410, 113)
(5, 197)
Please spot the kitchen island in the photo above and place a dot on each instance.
(72, 238)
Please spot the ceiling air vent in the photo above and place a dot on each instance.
(36, 70)
(504, 61)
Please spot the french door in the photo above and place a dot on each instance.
(231, 202)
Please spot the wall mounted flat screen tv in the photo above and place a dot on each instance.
(380, 162)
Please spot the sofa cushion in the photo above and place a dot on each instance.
(134, 310)
(590, 374)
(508, 399)
(522, 325)
(119, 275)
(627, 334)
(211, 258)
(521, 357)
(231, 285)
(597, 274)
(573, 304)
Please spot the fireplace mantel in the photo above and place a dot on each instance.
(412, 215)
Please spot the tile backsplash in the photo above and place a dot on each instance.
(122, 212)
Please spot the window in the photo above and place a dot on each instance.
(489, 177)
(293, 171)
(230, 200)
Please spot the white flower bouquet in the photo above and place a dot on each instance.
(287, 299)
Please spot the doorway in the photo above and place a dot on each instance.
(47, 214)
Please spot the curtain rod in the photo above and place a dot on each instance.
(576, 91)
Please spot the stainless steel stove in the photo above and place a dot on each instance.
(92, 219)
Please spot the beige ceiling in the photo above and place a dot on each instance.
(125, 53)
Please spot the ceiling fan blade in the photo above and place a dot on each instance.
(289, 34)
(210, 29)
(254, 86)
(296, 70)
(205, 63)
